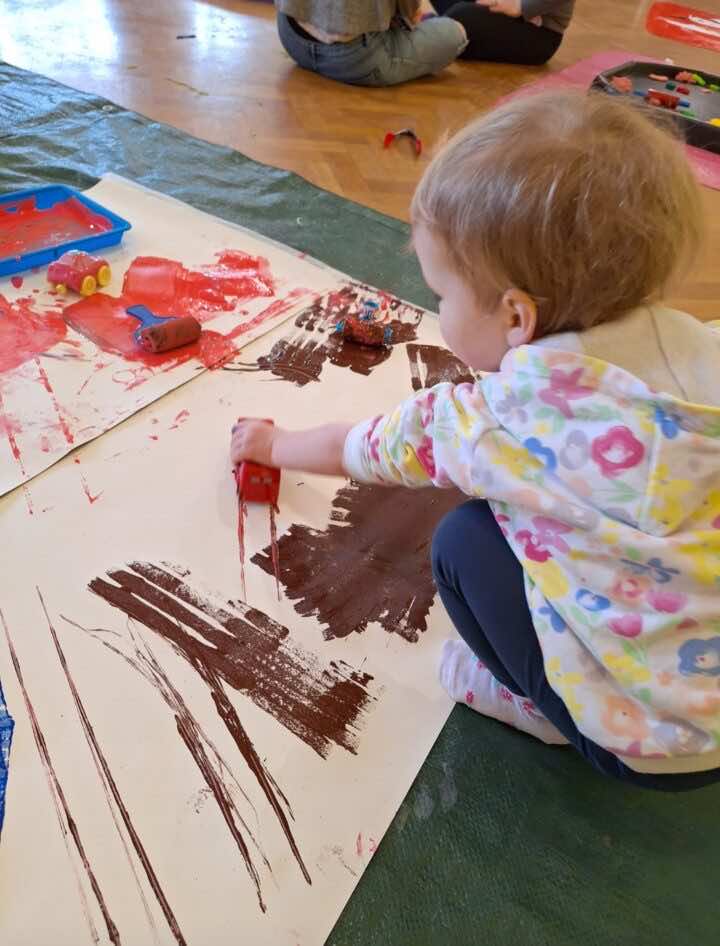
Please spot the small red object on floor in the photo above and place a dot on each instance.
(685, 25)
(683, 90)
(406, 133)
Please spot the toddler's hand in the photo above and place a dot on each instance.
(508, 7)
(252, 440)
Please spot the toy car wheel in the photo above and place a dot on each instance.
(88, 286)
(61, 288)
(104, 275)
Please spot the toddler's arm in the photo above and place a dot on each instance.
(319, 450)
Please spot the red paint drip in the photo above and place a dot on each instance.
(17, 281)
(26, 332)
(26, 227)
(242, 516)
(86, 488)
(274, 550)
(169, 289)
(67, 433)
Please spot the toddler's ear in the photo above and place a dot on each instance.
(520, 314)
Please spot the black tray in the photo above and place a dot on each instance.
(705, 105)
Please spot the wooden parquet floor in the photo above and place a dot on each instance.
(233, 84)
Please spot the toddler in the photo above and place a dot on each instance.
(583, 574)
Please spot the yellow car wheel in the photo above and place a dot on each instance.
(88, 286)
(104, 276)
(61, 288)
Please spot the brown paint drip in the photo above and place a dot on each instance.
(300, 357)
(110, 785)
(212, 766)
(62, 809)
(430, 364)
(371, 563)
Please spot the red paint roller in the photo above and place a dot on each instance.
(163, 333)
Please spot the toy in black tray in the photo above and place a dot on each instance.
(692, 97)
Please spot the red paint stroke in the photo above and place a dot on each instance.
(431, 364)
(180, 419)
(62, 809)
(214, 770)
(26, 332)
(685, 25)
(275, 553)
(110, 785)
(28, 227)
(169, 289)
(379, 537)
(373, 846)
(44, 443)
(17, 282)
(242, 516)
(10, 426)
(67, 433)
(301, 356)
(86, 488)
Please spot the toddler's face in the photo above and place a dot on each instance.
(477, 337)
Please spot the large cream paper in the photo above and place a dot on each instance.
(163, 496)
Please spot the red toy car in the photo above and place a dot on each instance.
(79, 271)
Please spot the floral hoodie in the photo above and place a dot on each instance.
(609, 495)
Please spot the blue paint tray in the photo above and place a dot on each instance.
(40, 224)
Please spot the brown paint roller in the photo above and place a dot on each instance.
(163, 333)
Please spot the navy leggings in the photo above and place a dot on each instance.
(481, 584)
(494, 37)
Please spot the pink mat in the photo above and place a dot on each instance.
(706, 165)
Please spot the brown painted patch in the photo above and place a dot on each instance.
(301, 356)
(431, 364)
(372, 562)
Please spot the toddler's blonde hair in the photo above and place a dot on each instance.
(579, 199)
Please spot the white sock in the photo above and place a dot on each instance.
(469, 681)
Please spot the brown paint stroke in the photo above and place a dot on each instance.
(238, 645)
(371, 563)
(62, 808)
(431, 364)
(205, 754)
(110, 785)
(301, 356)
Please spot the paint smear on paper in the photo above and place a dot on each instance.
(167, 288)
(26, 227)
(322, 705)
(301, 356)
(240, 646)
(431, 364)
(213, 768)
(26, 331)
(371, 563)
(64, 815)
(109, 784)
